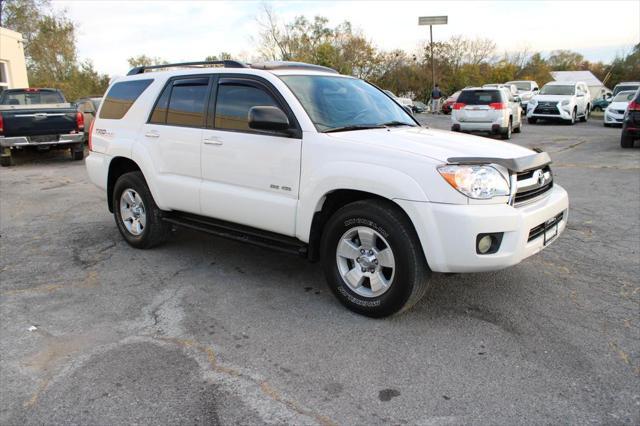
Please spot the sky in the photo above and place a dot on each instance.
(109, 32)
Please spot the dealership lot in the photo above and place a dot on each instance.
(208, 331)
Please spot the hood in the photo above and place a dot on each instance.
(552, 98)
(438, 145)
(618, 105)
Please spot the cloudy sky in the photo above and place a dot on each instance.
(111, 31)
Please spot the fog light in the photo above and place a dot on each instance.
(488, 243)
(484, 244)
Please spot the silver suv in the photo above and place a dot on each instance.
(487, 110)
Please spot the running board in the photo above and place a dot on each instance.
(234, 231)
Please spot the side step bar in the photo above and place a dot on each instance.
(234, 231)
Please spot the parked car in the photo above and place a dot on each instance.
(419, 107)
(510, 87)
(487, 110)
(39, 119)
(560, 100)
(307, 161)
(631, 122)
(626, 85)
(526, 90)
(447, 105)
(403, 101)
(88, 107)
(614, 114)
(602, 103)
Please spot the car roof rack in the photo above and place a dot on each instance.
(225, 64)
(291, 65)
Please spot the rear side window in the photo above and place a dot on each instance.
(120, 98)
(182, 103)
(234, 102)
(479, 97)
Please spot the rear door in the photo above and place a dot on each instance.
(173, 136)
(249, 177)
(479, 105)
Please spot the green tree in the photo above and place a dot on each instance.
(145, 61)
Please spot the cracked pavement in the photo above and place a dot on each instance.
(207, 331)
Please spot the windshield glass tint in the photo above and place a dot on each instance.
(619, 89)
(334, 102)
(624, 97)
(557, 90)
(479, 97)
(32, 98)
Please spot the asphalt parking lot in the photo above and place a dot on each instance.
(208, 331)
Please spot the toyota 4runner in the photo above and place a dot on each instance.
(302, 159)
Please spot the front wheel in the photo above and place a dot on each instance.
(373, 260)
(136, 214)
(572, 120)
(585, 117)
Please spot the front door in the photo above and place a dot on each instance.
(249, 177)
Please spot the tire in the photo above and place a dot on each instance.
(606, 124)
(6, 161)
(377, 226)
(146, 228)
(626, 140)
(597, 108)
(77, 152)
(506, 135)
(532, 120)
(585, 117)
(572, 121)
(519, 128)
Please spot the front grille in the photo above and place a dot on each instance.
(547, 108)
(618, 111)
(533, 184)
(539, 230)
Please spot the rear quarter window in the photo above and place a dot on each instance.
(479, 97)
(120, 98)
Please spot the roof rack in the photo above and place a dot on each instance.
(225, 64)
(290, 65)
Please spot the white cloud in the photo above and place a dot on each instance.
(112, 31)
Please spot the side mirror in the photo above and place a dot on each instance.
(268, 118)
(535, 89)
(517, 99)
(407, 109)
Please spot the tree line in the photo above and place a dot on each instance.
(51, 55)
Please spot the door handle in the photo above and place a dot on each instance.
(152, 134)
(212, 141)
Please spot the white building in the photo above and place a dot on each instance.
(13, 69)
(597, 89)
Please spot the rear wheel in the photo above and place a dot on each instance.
(77, 152)
(507, 133)
(136, 214)
(373, 260)
(5, 158)
(626, 140)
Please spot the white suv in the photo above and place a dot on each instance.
(526, 90)
(307, 161)
(562, 100)
(486, 109)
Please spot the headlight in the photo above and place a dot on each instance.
(480, 182)
(565, 102)
(533, 102)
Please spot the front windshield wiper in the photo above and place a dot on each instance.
(355, 127)
(395, 123)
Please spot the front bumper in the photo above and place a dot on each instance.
(22, 141)
(562, 114)
(448, 232)
(613, 118)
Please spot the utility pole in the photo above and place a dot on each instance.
(431, 21)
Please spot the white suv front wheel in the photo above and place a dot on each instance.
(372, 258)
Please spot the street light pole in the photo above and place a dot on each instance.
(431, 21)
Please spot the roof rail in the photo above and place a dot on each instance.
(225, 64)
(290, 65)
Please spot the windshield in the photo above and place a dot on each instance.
(521, 85)
(624, 97)
(340, 102)
(619, 89)
(554, 89)
(30, 97)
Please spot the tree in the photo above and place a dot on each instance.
(145, 61)
(566, 60)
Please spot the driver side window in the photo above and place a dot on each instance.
(233, 103)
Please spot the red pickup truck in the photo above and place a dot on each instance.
(39, 119)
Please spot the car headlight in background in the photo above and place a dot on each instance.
(479, 182)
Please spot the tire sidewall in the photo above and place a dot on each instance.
(405, 272)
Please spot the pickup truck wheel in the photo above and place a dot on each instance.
(372, 259)
(77, 152)
(137, 215)
(5, 159)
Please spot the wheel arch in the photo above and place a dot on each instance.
(117, 167)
